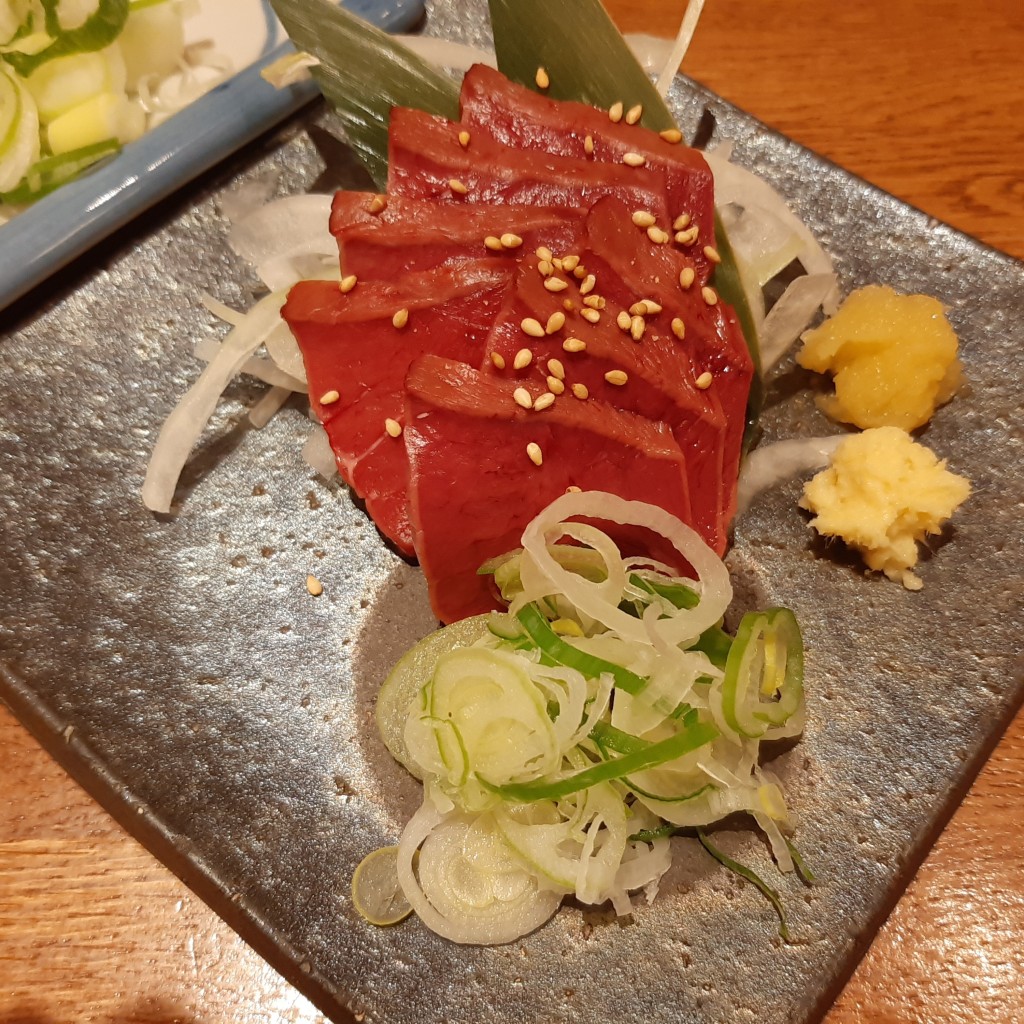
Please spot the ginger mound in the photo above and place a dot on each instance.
(893, 358)
(882, 493)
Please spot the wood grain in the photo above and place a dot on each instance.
(923, 99)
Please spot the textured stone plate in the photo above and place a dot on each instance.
(178, 668)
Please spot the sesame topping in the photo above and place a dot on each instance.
(557, 263)
(588, 284)
(704, 380)
(573, 489)
(570, 263)
(556, 369)
(568, 305)
(615, 112)
(637, 326)
(329, 397)
(643, 218)
(634, 159)
(712, 254)
(588, 146)
(555, 386)
(511, 241)
(686, 276)
(590, 315)
(681, 222)
(522, 397)
(616, 377)
(523, 359)
(673, 135)
(542, 78)
(678, 328)
(623, 320)
(634, 114)
(544, 253)
(545, 268)
(638, 308)
(689, 236)
(314, 586)
(463, 139)
(579, 271)
(348, 283)
(534, 453)
(581, 391)
(709, 295)
(456, 186)
(532, 327)
(544, 401)
(595, 301)
(393, 427)
(493, 242)
(401, 318)
(555, 284)
(378, 203)
(657, 236)
(498, 360)
(574, 345)
(555, 322)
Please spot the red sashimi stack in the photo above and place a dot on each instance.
(526, 310)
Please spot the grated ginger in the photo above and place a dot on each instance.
(893, 358)
(882, 494)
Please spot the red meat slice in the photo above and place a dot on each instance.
(519, 117)
(350, 345)
(425, 157)
(474, 488)
(660, 380)
(409, 235)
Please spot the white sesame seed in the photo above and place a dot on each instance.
(542, 78)
(522, 397)
(401, 318)
(652, 306)
(314, 586)
(570, 263)
(463, 139)
(493, 242)
(544, 401)
(634, 159)
(579, 271)
(615, 112)
(616, 377)
(643, 218)
(511, 241)
(545, 268)
(704, 380)
(672, 135)
(498, 360)
(573, 489)
(534, 453)
(681, 222)
(588, 284)
(557, 263)
(568, 305)
(574, 345)
(393, 427)
(523, 359)
(556, 369)
(623, 320)
(595, 301)
(544, 253)
(581, 391)
(378, 203)
(634, 114)
(637, 326)
(555, 284)
(555, 386)
(555, 322)
(712, 254)
(348, 283)
(689, 236)
(686, 276)
(532, 327)
(638, 308)
(329, 397)
(588, 146)
(657, 236)
(591, 315)
(709, 295)
(456, 186)
(678, 328)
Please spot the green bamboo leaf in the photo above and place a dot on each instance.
(363, 73)
(586, 58)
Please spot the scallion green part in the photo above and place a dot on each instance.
(97, 32)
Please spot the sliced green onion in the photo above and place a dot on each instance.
(99, 30)
(53, 171)
(802, 868)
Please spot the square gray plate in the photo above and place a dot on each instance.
(225, 717)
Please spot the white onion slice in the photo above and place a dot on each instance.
(262, 369)
(182, 428)
(772, 464)
(682, 43)
(284, 350)
(447, 54)
(318, 454)
(792, 313)
(268, 406)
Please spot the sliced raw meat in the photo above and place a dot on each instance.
(351, 346)
(474, 486)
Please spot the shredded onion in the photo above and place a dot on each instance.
(682, 43)
(792, 313)
(318, 454)
(254, 366)
(271, 403)
(772, 464)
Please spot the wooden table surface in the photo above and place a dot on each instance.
(922, 97)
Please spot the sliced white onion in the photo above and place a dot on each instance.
(682, 43)
(221, 311)
(447, 54)
(262, 369)
(771, 464)
(284, 350)
(184, 425)
(318, 454)
(792, 313)
(268, 406)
